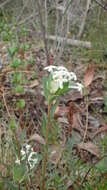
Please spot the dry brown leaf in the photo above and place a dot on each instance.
(90, 147)
(37, 138)
(34, 84)
(57, 113)
(71, 111)
(88, 78)
(56, 153)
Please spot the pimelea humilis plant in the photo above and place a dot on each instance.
(57, 83)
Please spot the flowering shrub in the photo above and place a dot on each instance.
(58, 82)
(61, 79)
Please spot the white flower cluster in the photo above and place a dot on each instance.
(61, 75)
(29, 155)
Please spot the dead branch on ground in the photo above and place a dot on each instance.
(76, 43)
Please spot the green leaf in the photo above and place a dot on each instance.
(64, 90)
(23, 31)
(16, 63)
(25, 47)
(45, 87)
(49, 79)
(44, 123)
(21, 104)
(19, 172)
(19, 89)
(17, 78)
(53, 108)
(12, 124)
(53, 97)
(12, 50)
(5, 36)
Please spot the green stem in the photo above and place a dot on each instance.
(18, 145)
(46, 152)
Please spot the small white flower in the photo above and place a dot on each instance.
(23, 152)
(80, 87)
(32, 159)
(60, 76)
(50, 68)
(32, 154)
(28, 147)
(77, 86)
(73, 76)
(28, 153)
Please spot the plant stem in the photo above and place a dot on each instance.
(46, 152)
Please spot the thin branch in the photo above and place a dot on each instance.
(43, 31)
(101, 5)
(84, 18)
(27, 18)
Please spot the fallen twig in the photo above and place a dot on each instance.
(76, 43)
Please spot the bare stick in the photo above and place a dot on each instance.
(27, 18)
(76, 43)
